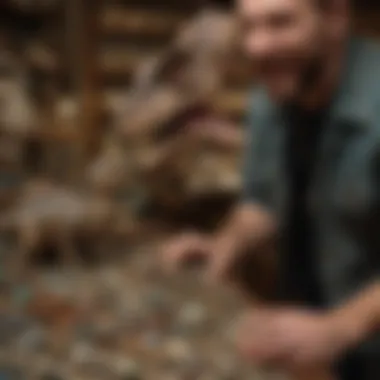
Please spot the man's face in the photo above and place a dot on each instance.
(287, 41)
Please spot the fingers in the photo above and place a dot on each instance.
(187, 249)
(219, 267)
(259, 341)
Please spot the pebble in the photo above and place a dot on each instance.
(52, 376)
(192, 316)
(13, 326)
(111, 279)
(190, 368)
(12, 373)
(151, 340)
(228, 367)
(33, 340)
(157, 300)
(153, 322)
(85, 331)
(106, 299)
(98, 369)
(178, 350)
(127, 369)
(107, 333)
(21, 295)
(82, 353)
(61, 284)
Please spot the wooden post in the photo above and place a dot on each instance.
(83, 62)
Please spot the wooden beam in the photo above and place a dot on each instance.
(140, 21)
(83, 41)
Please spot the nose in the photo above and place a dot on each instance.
(260, 44)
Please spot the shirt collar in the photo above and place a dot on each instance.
(353, 102)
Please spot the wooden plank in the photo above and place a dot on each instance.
(121, 20)
(231, 102)
(58, 135)
(157, 6)
(85, 63)
(118, 62)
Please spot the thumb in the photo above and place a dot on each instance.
(219, 267)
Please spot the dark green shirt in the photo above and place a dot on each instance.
(343, 196)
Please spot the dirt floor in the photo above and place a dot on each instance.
(124, 320)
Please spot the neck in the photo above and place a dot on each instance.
(330, 78)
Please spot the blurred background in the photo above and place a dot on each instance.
(121, 125)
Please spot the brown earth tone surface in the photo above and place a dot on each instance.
(124, 320)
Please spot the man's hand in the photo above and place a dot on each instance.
(249, 226)
(193, 248)
(293, 339)
(185, 249)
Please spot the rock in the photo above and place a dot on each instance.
(106, 299)
(230, 331)
(52, 376)
(97, 369)
(128, 369)
(42, 363)
(12, 373)
(228, 367)
(5, 286)
(13, 326)
(130, 317)
(82, 353)
(85, 331)
(192, 316)
(151, 340)
(112, 279)
(60, 284)
(52, 309)
(157, 299)
(21, 295)
(158, 307)
(178, 350)
(33, 340)
(107, 333)
(190, 369)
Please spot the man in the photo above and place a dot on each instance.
(311, 183)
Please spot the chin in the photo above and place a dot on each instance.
(281, 96)
(282, 91)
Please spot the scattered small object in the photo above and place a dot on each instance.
(51, 376)
(128, 369)
(11, 373)
(192, 317)
(33, 340)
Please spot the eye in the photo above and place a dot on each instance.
(281, 21)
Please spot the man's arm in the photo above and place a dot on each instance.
(361, 313)
(302, 338)
(244, 254)
(251, 227)
(360, 316)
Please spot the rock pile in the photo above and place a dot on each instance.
(119, 322)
